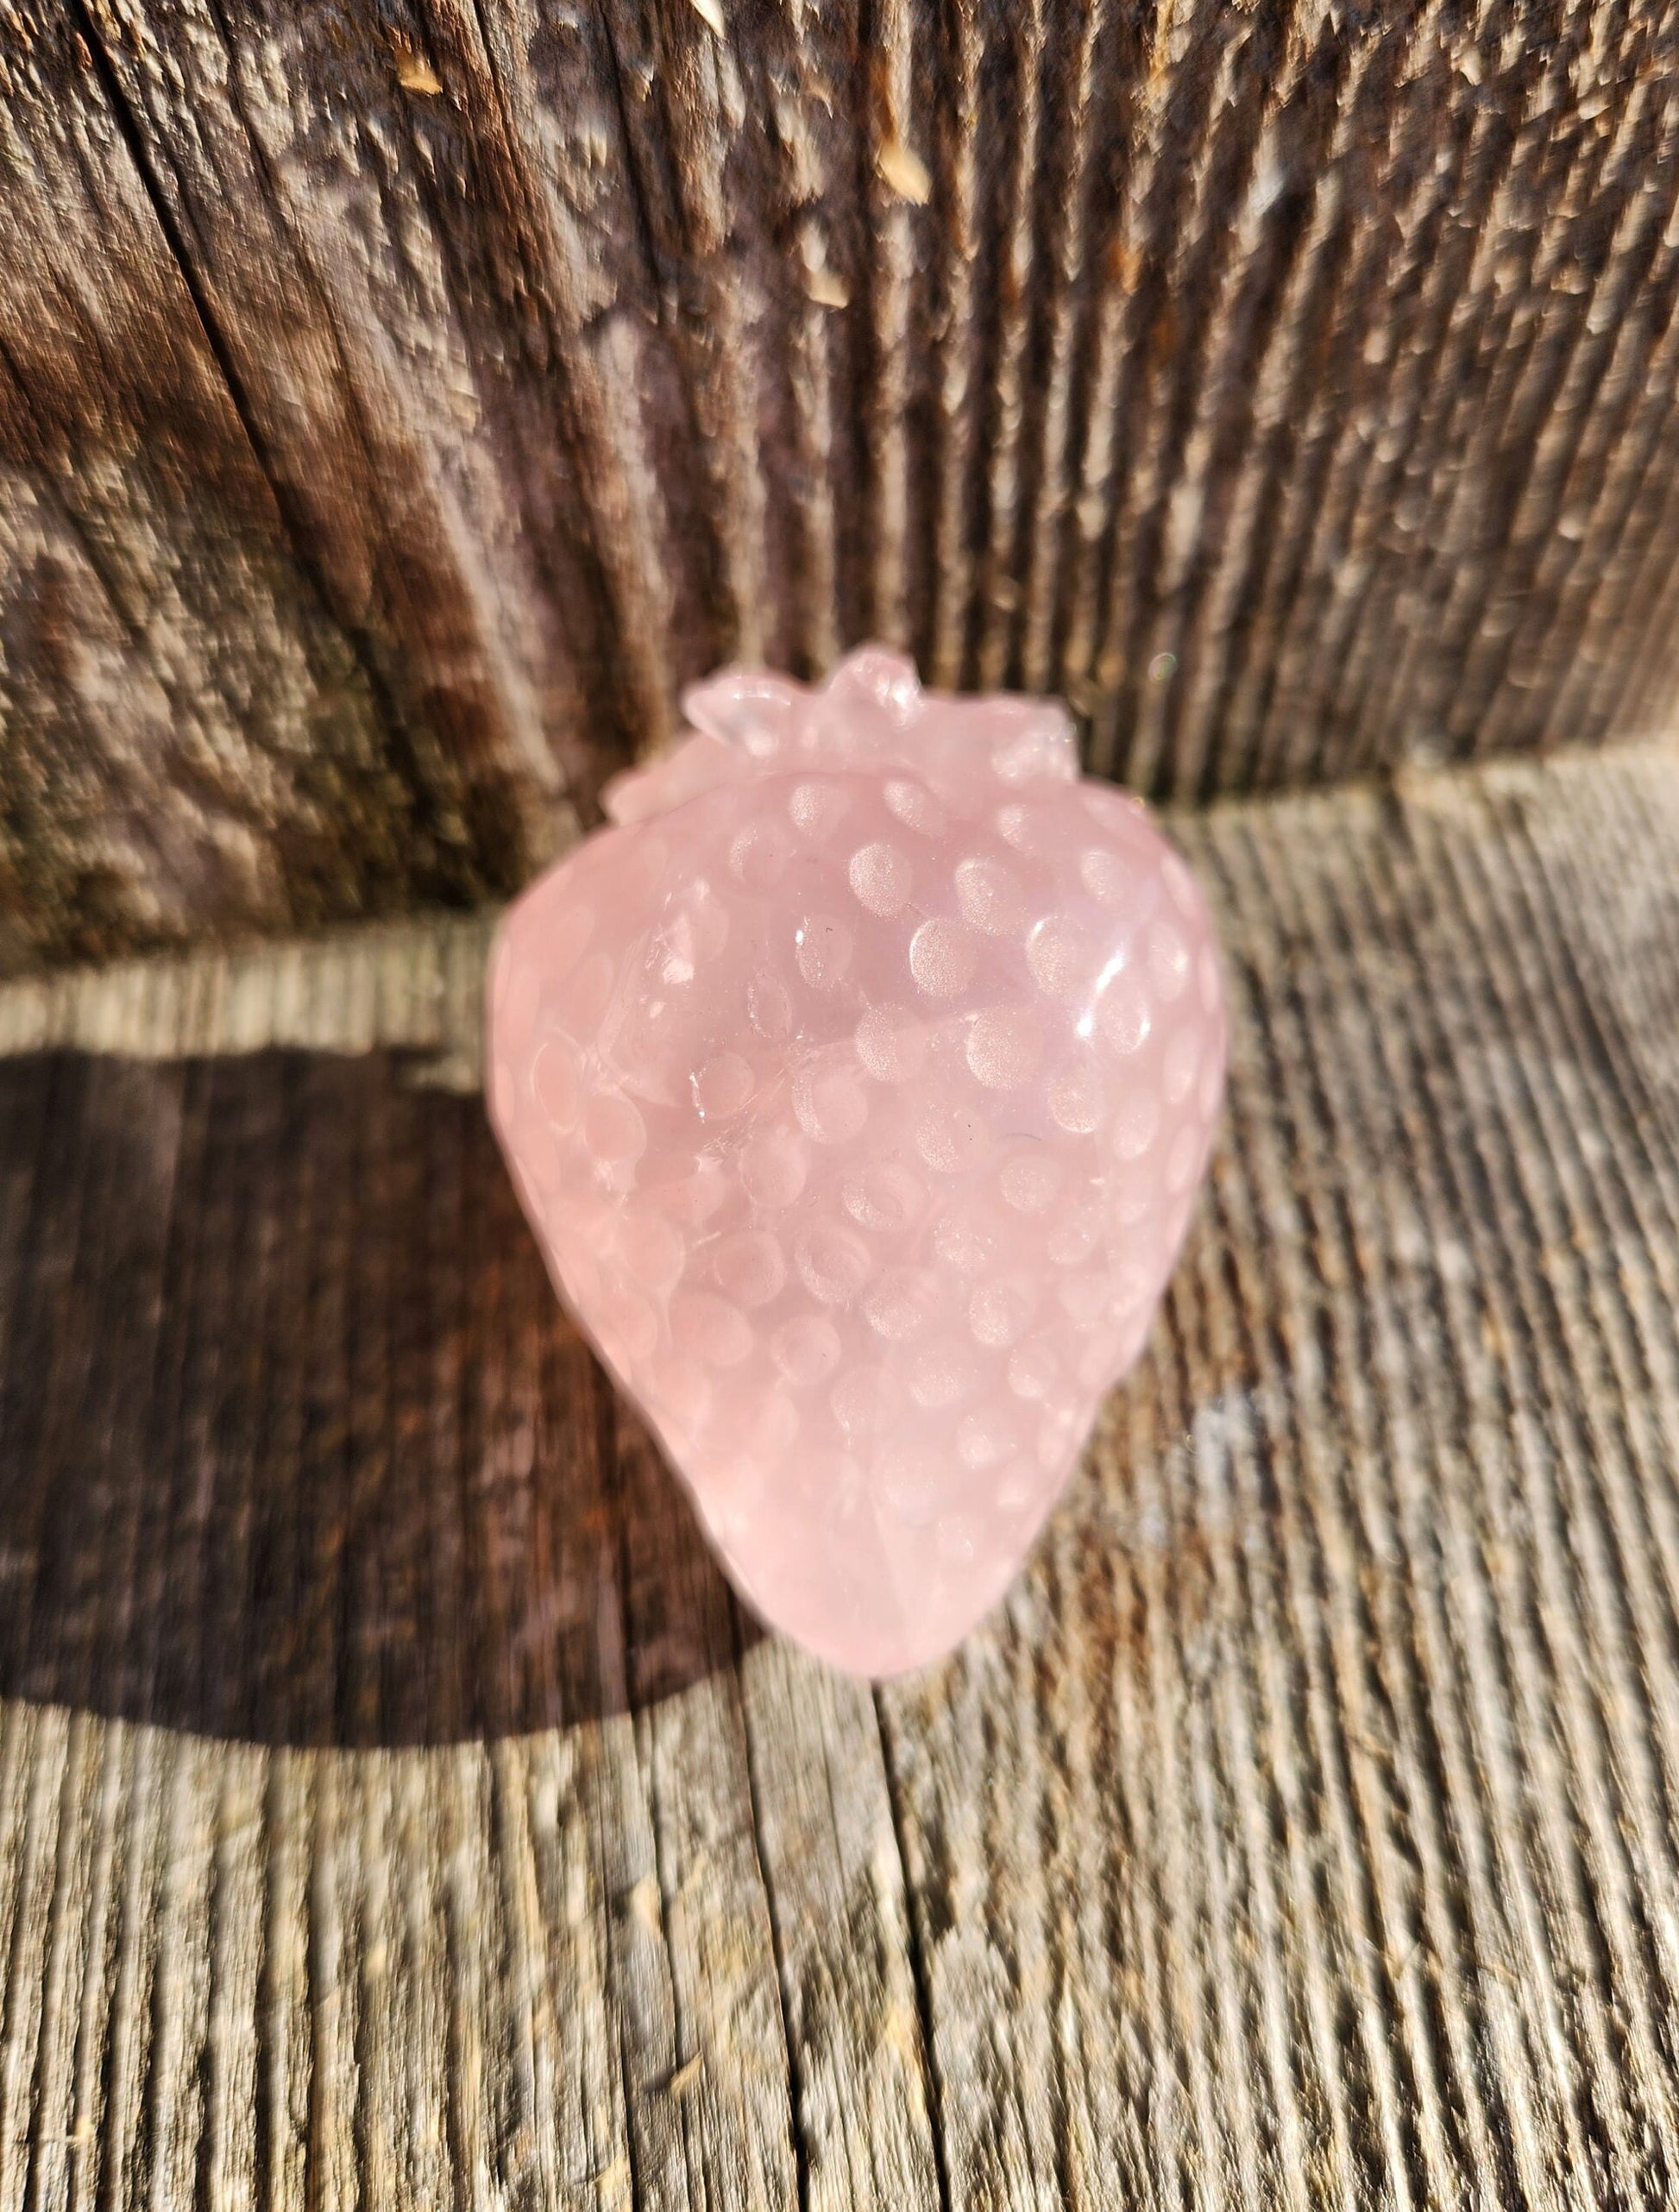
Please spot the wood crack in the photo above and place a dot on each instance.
(929, 2041)
(121, 114)
(795, 2091)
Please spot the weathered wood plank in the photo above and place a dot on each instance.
(359, 235)
(398, 404)
(395, 1808)
(190, 740)
(728, 2092)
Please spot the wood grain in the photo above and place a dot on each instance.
(397, 1809)
(191, 743)
(400, 400)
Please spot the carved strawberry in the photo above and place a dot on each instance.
(858, 1085)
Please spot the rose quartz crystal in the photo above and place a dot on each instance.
(858, 1085)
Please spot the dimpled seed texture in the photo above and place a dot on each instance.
(857, 1083)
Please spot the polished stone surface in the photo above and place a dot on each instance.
(858, 1085)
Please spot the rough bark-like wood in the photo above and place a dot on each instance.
(363, 227)
(400, 400)
(396, 1809)
(188, 739)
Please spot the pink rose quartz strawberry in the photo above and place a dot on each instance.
(858, 1085)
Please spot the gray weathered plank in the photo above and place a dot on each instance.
(395, 1808)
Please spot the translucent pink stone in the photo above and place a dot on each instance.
(858, 1085)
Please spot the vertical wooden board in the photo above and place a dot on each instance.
(797, 198)
(1519, 408)
(964, 316)
(1255, 305)
(192, 742)
(1507, 173)
(1165, 66)
(1023, 233)
(1633, 505)
(1335, 442)
(358, 226)
(399, 403)
(567, 91)
(1368, 406)
(739, 130)
(896, 122)
(782, 162)
(1255, 444)
(684, 111)
(1619, 393)
(1088, 107)
(1630, 686)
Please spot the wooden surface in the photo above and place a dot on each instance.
(396, 1810)
(400, 398)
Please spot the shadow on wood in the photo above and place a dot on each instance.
(296, 1444)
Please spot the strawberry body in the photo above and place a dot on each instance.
(858, 1085)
